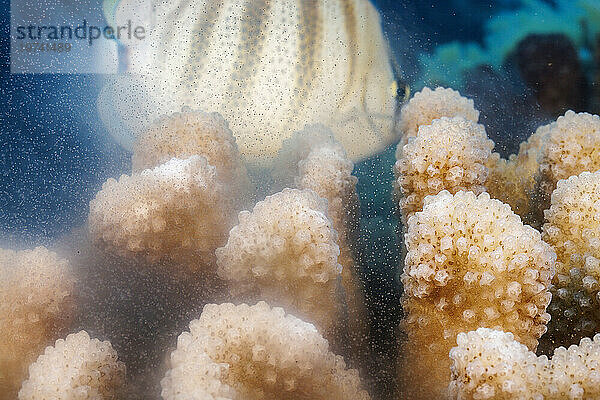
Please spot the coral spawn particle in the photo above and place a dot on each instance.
(471, 263)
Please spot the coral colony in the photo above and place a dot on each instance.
(501, 259)
(480, 286)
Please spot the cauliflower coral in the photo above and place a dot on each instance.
(555, 151)
(507, 282)
(570, 148)
(76, 368)
(178, 211)
(573, 228)
(36, 305)
(256, 352)
(449, 154)
(428, 105)
(471, 263)
(491, 364)
(525, 180)
(190, 133)
(285, 251)
(312, 159)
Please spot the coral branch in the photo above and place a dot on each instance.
(177, 211)
(36, 305)
(572, 228)
(312, 159)
(76, 368)
(428, 105)
(471, 263)
(256, 352)
(571, 148)
(285, 251)
(490, 364)
(450, 154)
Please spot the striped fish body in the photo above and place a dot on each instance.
(268, 66)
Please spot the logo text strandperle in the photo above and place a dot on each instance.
(81, 32)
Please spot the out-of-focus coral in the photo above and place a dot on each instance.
(573, 229)
(256, 352)
(570, 148)
(427, 105)
(313, 160)
(190, 133)
(140, 307)
(328, 172)
(285, 251)
(296, 148)
(491, 364)
(471, 263)
(549, 65)
(36, 305)
(76, 368)
(178, 211)
(507, 184)
(450, 154)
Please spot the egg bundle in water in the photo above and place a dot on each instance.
(269, 67)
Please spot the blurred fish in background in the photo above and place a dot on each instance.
(269, 67)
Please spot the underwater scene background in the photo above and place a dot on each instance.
(524, 64)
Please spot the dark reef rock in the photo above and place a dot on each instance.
(549, 64)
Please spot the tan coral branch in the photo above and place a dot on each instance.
(256, 352)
